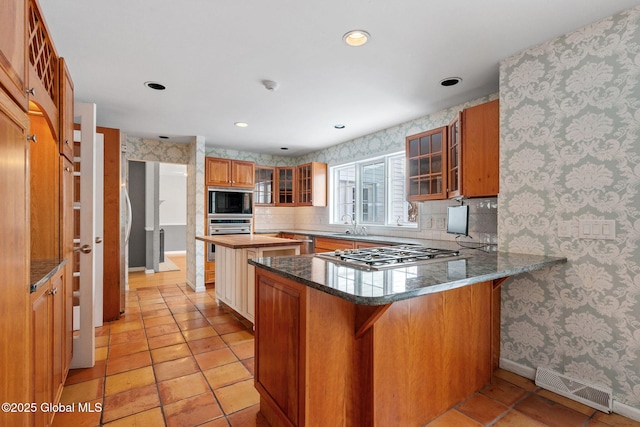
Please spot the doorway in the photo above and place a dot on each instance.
(158, 238)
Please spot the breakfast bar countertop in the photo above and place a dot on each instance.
(368, 287)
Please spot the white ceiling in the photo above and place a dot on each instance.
(213, 54)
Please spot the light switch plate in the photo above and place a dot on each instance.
(564, 229)
(600, 229)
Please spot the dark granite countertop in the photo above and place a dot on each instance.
(373, 238)
(366, 287)
(42, 270)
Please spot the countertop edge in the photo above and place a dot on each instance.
(382, 300)
(276, 242)
(51, 266)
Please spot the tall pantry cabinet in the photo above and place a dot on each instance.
(35, 216)
(15, 346)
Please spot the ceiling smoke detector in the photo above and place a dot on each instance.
(270, 85)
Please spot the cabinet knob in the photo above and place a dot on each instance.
(66, 141)
(32, 138)
(31, 91)
(67, 169)
(53, 291)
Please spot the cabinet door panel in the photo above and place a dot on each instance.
(277, 339)
(426, 160)
(217, 172)
(15, 309)
(13, 50)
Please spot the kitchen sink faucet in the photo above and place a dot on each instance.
(354, 230)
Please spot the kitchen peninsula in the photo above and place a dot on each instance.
(338, 345)
(235, 285)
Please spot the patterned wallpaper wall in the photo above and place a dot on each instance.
(570, 150)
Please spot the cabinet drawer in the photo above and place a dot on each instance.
(324, 244)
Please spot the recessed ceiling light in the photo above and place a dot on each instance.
(241, 124)
(356, 38)
(284, 148)
(155, 85)
(339, 126)
(163, 137)
(450, 81)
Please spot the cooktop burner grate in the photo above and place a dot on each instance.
(388, 256)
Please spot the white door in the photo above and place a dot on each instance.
(84, 339)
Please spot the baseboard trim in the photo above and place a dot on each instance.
(626, 411)
(517, 368)
(530, 373)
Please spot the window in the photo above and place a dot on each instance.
(372, 192)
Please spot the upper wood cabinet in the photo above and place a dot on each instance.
(474, 152)
(44, 72)
(312, 184)
(426, 160)
(13, 51)
(66, 111)
(461, 159)
(285, 186)
(229, 173)
(264, 189)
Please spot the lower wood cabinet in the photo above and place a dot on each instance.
(49, 341)
(323, 361)
(325, 244)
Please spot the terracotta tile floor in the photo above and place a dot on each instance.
(176, 358)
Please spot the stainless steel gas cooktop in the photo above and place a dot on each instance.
(387, 256)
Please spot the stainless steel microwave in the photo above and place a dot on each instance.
(230, 202)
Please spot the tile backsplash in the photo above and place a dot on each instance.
(483, 220)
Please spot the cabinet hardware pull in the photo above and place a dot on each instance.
(32, 138)
(66, 141)
(53, 291)
(67, 169)
(31, 91)
(98, 239)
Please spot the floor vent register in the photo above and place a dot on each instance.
(591, 395)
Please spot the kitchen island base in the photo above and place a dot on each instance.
(325, 361)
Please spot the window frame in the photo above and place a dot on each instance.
(389, 221)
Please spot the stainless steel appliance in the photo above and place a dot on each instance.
(230, 202)
(387, 256)
(225, 225)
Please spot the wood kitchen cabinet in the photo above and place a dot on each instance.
(285, 186)
(48, 343)
(426, 163)
(327, 244)
(229, 173)
(474, 152)
(311, 184)
(15, 308)
(66, 111)
(461, 159)
(67, 181)
(264, 189)
(13, 51)
(399, 364)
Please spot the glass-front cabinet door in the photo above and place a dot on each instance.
(263, 188)
(454, 169)
(285, 188)
(426, 160)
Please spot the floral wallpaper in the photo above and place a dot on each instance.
(570, 150)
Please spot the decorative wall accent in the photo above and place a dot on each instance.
(570, 150)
